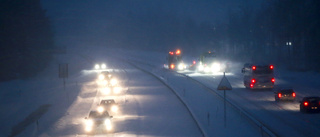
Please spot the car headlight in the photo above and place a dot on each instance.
(100, 109)
(101, 77)
(106, 90)
(113, 82)
(114, 108)
(88, 129)
(200, 67)
(89, 123)
(116, 90)
(104, 83)
(181, 66)
(215, 67)
(103, 66)
(97, 66)
(108, 124)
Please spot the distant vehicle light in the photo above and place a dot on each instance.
(172, 66)
(271, 66)
(103, 66)
(253, 81)
(171, 53)
(194, 62)
(178, 52)
(305, 103)
(114, 108)
(114, 82)
(100, 109)
(89, 123)
(251, 85)
(254, 67)
(181, 66)
(97, 66)
(101, 77)
(294, 94)
(279, 95)
(273, 80)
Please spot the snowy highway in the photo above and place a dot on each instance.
(282, 118)
(154, 101)
(147, 108)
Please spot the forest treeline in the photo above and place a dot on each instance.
(285, 32)
(26, 38)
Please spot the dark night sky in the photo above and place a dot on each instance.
(87, 19)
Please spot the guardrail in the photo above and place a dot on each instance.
(263, 128)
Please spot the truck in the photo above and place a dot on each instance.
(174, 60)
(209, 63)
(258, 76)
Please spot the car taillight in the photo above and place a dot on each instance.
(279, 95)
(294, 94)
(253, 81)
(273, 80)
(251, 85)
(305, 103)
(254, 67)
(194, 62)
(271, 66)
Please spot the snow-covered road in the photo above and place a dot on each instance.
(283, 118)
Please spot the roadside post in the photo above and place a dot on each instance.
(224, 85)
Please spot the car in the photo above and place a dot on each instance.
(97, 120)
(108, 105)
(104, 75)
(285, 94)
(310, 104)
(100, 66)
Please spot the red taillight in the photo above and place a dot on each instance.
(279, 95)
(253, 81)
(305, 103)
(271, 66)
(194, 62)
(273, 80)
(251, 85)
(254, 67)
(172, 66)
(171, 53)
(294, 94)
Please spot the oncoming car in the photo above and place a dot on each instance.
(285, 94)
(108, 105)
(100, 66)
(97, 120)
(310, 104)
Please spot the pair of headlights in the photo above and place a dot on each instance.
(90, 124)
(100, 66)
(114, 108)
